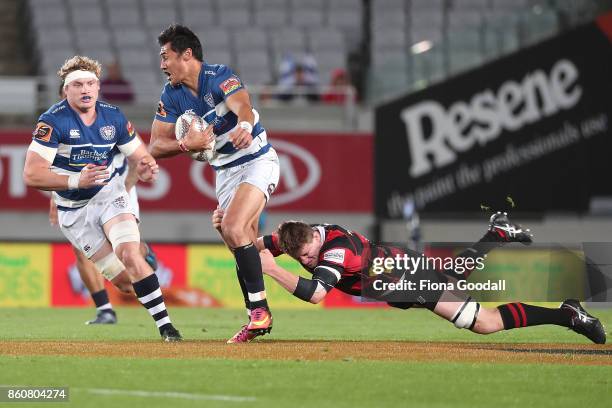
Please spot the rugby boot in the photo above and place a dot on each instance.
(507, 231)
(106, 316)
(583, 323)
(261, 321)
(171, 335)
(243, 336)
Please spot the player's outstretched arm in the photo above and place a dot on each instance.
(146, 166)
(37, 173)
(132, 175)
(306, 289)
(217, 218)
(53, 220)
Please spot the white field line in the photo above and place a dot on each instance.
(166, 394)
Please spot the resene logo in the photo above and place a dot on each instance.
(436, 136)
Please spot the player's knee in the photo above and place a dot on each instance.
(466, 315)
(129, 255)
(234, 232)
(110, 266)
(135, 264)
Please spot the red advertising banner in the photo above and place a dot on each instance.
(68, 289)
(320, 172)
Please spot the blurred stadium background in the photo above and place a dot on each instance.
(452, 105)
(345, 159)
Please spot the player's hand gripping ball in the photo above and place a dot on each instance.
(180, 131)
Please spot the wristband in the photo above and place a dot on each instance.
(182, 146)
(73, 181)
(305, 289)
(246, 126)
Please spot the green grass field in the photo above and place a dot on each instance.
(211, 382)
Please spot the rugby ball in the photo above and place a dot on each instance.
(181, 128)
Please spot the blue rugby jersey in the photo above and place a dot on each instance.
(61, 129)
(215, 84)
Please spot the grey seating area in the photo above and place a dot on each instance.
(418, 42)
(251, 36)
(413, 43)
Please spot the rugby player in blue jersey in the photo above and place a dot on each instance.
(91, 277)
(246, 165)
(72, 154)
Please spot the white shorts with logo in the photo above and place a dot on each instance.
(133, 195)
(134, 202)
(83, 227)
(262, 172)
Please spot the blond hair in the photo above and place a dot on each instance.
(79, 62)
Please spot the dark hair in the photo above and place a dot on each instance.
(181, 38)
(292, 236)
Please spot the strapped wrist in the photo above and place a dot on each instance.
(73, 181)
(246, 126)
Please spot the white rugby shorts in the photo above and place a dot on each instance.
(83, 226)
(133, 196)
(262, 172)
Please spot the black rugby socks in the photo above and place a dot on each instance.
(249, 265)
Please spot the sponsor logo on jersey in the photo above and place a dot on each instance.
(75, 134)
(335, 256)
(59, 108)
(130, 129)
(208, 98)
(160, 109)
(230, 85)
(105, 105)
(213, 73)
(88, 154)
(107, 132)
(189, 112)
(42, 132)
